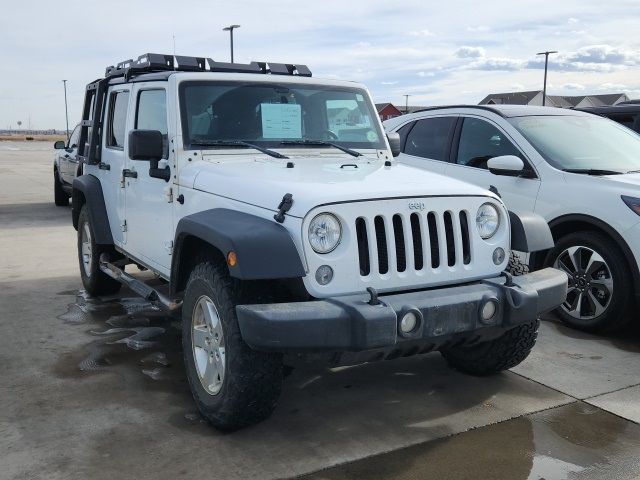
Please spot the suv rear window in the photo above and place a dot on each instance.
(430, 138)
(117, 119)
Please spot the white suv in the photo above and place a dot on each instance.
(577, 170)
(270, 206)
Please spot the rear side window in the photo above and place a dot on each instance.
(430, 138)
(480, 141)
(151, 114)
(117, 119)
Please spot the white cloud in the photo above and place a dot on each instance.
(479, 29)
(421, 33)
(572, 20)
(426, 74)
(573, 86)
(470, 52)
(388, 83)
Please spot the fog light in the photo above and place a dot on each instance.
(498, 256)
(489, 309)
(324, 274)
(409, 322)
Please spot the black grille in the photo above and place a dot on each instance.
(420, 225)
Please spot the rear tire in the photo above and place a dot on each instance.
(599, 272)
(94, 280)
(233, 386)
(61, 198)
(494, 356)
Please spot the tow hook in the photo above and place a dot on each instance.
(284, 207)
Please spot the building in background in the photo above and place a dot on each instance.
(562, 101)
(389, 110)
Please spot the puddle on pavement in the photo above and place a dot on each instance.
(573, 441)
(128, 334)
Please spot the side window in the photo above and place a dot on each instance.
(151, 114)
(73, 139)
(117, 119)
(480, 141)
(403, 132)
(430, 137)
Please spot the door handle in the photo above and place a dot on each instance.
(129, 173)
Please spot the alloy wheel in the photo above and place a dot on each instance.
(207, 340)
(590, 286)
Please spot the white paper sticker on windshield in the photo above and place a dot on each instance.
(281, 120)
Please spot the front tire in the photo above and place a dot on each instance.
(60, 197)
(599, 281)
(233, 386)
(95, 281)
(502, 353)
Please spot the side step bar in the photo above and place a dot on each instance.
(141, 288)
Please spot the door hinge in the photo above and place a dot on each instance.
(168, 194)
(123, 226)
(169, 246)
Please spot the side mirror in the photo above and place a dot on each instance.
(508, 165)
(145, 145)
(59, 145)
(394, 143)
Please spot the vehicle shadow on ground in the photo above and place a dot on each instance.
(34, 215)
(627, 339)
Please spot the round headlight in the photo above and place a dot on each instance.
(325, 232)
(487, 220)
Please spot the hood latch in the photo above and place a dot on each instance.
(284, 207)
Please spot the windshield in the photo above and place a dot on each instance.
(277, 115)
(582, 142)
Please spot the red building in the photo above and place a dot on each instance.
(387, 111)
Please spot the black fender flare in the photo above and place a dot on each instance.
(611, 232)
(91, 189)
(529, 232)
(264, 249)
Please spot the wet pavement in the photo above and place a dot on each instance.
(94, 388)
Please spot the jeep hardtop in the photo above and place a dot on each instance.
(270, 205)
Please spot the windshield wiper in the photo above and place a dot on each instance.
(353, 153)
(592, 171)
(238, 143)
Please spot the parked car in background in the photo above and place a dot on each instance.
(65, 168)
(579, 171)
(627, 114)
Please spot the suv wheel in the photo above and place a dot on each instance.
(496, 355)
(60, 197)
(599, 281)
(95, 281)
(233, 386)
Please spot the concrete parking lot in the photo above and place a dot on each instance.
(94, 388)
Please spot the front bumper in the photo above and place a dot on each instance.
(350, 323)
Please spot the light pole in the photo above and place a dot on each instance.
(546, 63)
(230, 30)
(406, 103)
(66, 110)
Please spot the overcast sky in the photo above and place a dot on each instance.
(439, 52)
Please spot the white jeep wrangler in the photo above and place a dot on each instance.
(271, 207)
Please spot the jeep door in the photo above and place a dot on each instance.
(112, 159)
(476, 140)
(148, 208)
(425, 143)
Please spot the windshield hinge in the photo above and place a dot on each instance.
(123, 226)
(284, 207)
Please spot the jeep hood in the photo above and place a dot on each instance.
(315, 181)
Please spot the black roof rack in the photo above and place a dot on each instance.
(94, 100)
(157, 62)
